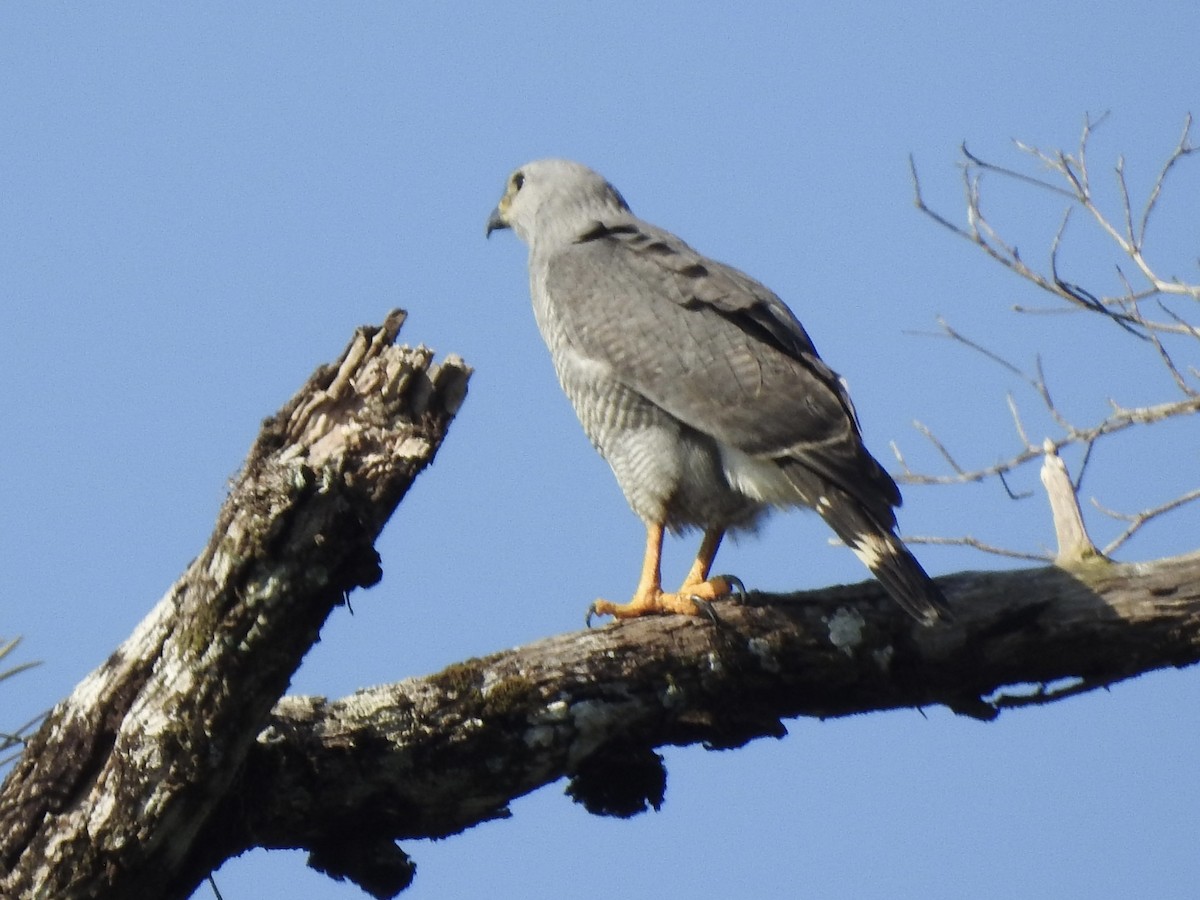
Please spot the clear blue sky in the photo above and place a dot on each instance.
(198, 203)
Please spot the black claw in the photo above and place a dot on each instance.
(706, 609)
(738, 593)
(591, 612)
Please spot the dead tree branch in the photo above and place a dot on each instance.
(1140, 309)
(18, 736)
(178, 752)
(1077, 189)
(429, 757)
(112, 792)
(1138, 519)
(1120, 419)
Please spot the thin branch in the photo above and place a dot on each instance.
(976, 544)
(941, 448)
(1138, 520)
(6, 648)
(1126, 204)
(961, 338)
(1169, 363)
(1182, 149)
(1078, 191)
(1043, 391)
(1077, 482)
(1012, 495)
(1118, 421)
(985, 166)
(18, 737)
(1070, 178)
(1085, 136)
(1186, 328)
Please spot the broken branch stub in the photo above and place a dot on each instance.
(113, 791)
(1074, 545)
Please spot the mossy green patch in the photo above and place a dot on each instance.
(460, 679)
(508, 696)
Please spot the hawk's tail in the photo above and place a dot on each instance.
(887, 558)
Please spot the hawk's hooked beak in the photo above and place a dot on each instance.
(495, 222)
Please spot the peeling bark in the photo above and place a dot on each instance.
(114, 790)
(428, 757)
(178, 752)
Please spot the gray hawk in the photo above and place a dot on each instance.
(699, 387)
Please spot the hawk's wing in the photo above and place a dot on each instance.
(711, 346)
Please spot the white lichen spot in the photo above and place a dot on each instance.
(596, 721)
(88, 692)
(846, 629)
(714, 663)
(413, 447)
(271, 735)
(104, 807)
(762, 650)
(672, 695)
(883, 657)
(261, 591)
(540, 736)
(555, 712)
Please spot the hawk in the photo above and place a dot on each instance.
(699, 387)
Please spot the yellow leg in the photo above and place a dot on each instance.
(650, 599)
(698, 574)
(651, 581)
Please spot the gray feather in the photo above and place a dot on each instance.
(695, 382)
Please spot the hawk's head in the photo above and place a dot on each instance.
(554, 201)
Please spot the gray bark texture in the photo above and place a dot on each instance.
(179, 752)
(113, 794)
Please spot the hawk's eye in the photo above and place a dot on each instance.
(518, 181)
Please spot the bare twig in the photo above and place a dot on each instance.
(976, 544)
(1162, 329)
(16, 738)
(1182, 149)
(1118, 421)
(7, 647)
(1073, 171)
(1137, 520)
